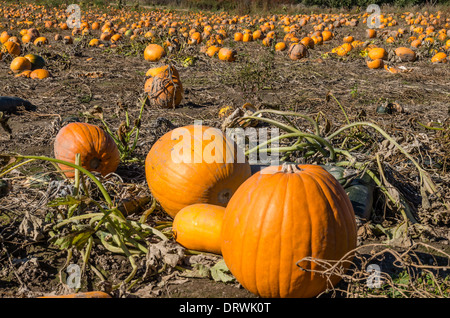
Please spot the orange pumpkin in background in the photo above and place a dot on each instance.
(154, 52)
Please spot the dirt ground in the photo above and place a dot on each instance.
(85, 78)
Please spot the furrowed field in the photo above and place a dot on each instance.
(92, 200)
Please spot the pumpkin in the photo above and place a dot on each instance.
(116, 38)
(4, 36)
(94, 42)
(97, 149)
(154, 52)
(20, 64)
(179, 174)
(42, 40)
(439, 57)
(12, 48)
(39, 74)
(36, 61)
(377, 53)
(374, 64)
(238, 36)
(405, 54)
(308, 42)
(247, 37)
(165, 88)
(348, 39)
(279, 216)
(371, 33)
(212, 50)
(327, 35)
(297, 51)
(198, 227)
(67, 39)
(280, 46)
(227, 54)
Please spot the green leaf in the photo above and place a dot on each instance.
(68, 200)
(221, 273)
(77, 238)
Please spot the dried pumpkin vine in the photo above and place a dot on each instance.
(77, 230)
(322, 142)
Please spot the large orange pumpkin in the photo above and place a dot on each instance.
(194, 164)
(97, 149)
(198, 227)
(279, 216)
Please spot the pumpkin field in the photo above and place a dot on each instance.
(96, 97)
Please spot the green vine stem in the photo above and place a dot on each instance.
(312, 138)
(72, 165)
(286, 113)
(424, 177)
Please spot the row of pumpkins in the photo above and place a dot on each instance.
(262, 224)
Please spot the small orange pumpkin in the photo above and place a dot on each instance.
(375, 64)
(439, 57)
(20, 64)
(12, 48)
(154, 52)
(39, 74)
(97, 149)
(377, 53)
(227, 54)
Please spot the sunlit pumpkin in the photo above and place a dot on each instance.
(194, 164)
(97, 149)
(278, 217)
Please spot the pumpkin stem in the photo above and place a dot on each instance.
(224, 196)
(290, 168)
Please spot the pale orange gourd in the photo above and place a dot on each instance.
(198, 227)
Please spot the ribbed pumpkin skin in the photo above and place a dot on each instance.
(176, 184)
(277, 218)
(198, 227)
(98, 151)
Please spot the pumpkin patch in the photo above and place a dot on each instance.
(266, 149)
